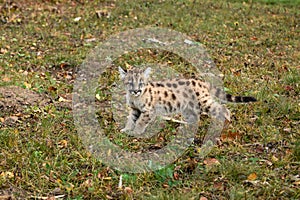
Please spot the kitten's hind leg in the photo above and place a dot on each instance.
(219, 112)
(190, 116)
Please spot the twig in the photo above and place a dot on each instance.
(55, 197)
(174, 120)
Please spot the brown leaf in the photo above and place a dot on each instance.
(11, 120)
(19, 114)
(3, 51)
(52, 89)
(69, 187)
(176, 176)
(288, 88)
(218, 186)
(230, 136)
(103, 13)
(296, 183)
(63, 143)
(211, 161)
(27, 85)
(128, 190)
(274, 158)
(252, 176)
(61, 99)
(6, 197)
(7, 174)
(5, 79)
(236, 72)
(87, 183)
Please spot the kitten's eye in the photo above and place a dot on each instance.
(141, 85)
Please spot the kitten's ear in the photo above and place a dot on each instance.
(147, 72)
(122, 73)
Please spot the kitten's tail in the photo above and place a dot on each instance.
(223, 96)
(240, 99)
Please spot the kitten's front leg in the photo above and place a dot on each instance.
(131, 120)
(143, 121)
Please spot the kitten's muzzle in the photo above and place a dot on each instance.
(135, 92)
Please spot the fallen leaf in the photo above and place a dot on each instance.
(58, 181)
(198, 149)
(19, 114)
(211, 161)
(61, 99)
(77, 19)
(98, 97)
(51, 88)
(176, 176)
(103, 13)
(288, 130)
(274, 158)
(63, 143)
(109, 197)
(69, 187)
(230, 136)
(87, 183)
(3, 51)
(25, 73)
(288, 88)
(6, 79)
(269, 163)
(236, 72)
(11, 119)
(218, 186)
(128, 190)
(252, 177)
(296, 183)
(56, 191)
(6, 197)
(7, 174)
(91, 40)
(254, 38)
(27, 85)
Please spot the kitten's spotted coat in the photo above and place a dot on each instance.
(190, 97)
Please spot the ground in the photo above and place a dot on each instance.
(254, 44)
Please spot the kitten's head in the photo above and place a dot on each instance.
(135, 80)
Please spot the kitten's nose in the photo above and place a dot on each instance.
(135, 92)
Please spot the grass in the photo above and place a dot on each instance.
(255, 44)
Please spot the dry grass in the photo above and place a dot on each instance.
(255, 45)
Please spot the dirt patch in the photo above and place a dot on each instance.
(14, 99)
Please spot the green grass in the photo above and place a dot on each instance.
(273, 2)
(255, 44)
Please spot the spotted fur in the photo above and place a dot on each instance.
(189, 97)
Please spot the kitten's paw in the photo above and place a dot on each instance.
(125, 129)
(138, 131)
